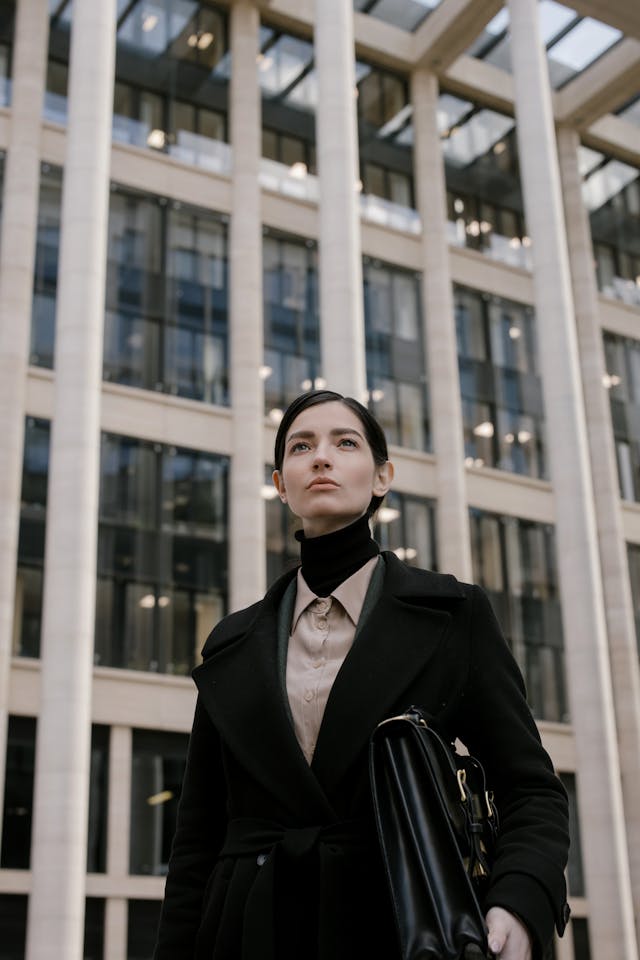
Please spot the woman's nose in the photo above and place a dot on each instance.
(322, 458)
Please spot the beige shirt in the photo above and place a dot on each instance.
(322, 632)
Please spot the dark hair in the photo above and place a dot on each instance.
(373, 432)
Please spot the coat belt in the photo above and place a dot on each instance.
(300, 869)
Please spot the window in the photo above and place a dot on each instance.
(574, 867)
(484, 198)
(162, 554)
(45, 281)
(611, 193)
(7, 16)
(291, 321)
(33, 512)
(633, 555)
(396, 362)
(514, 561)
(501, 389)
(158, 763)
(18, 794)
(18, 798)
(144, 917)
(13, 923)
(385, 134)
(622, 378)
(166, 320)
(405, 524)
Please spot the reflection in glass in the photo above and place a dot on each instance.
(622, 379)
(574, 867)
(162, 554)
(406, 14)
(166, 320)
(611, 193)
(18, 794)
(572, 42)
(484, 198)
(291, 321)
(396, 361)
(405, 524)
(33, 506)
(158, 762)
(514, 561)
(500, 384)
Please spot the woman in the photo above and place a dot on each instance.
(275, 854)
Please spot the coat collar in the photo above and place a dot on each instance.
(241, 686)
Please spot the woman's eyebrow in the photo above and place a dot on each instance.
(335, 432)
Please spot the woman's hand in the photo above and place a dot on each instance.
(508, 937)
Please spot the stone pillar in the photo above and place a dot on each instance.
(613, 554)
(588, 669)
(454, 549)
(340, 261)
(119, 827)
(59, 840)
(17, 256)
(247, 537)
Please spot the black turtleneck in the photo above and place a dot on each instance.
(330, 559)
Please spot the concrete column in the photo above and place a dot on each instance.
(454, 548)
(115, 920)
(247, 537)
(340, 261)
(17, 256)
(56, 908)
(588, 669)
(613, 553)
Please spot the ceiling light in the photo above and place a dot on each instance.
(268, 491)
(164, 601)
(458, 205)
(611, 380)
(156, 139)
(149, 22)
(377, 395)
(298, 170)
(515, 332)
(387, 514)
(265, 63)
(484, 429)
(157, 798)
(147, 602)
(306, 384)
(276, 415)
(192, 40)
(320, 383)
(524, 436)
(500, 147)
(265, 372)
(205, 40)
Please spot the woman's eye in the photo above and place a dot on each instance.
(301, 445)
(348, 442)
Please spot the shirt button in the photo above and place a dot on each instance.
(317, 664)
(322, 621)
(262, 858)
(308, 695)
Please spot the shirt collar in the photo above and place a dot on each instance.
(350, 593)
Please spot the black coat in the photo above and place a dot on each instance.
(277, 859)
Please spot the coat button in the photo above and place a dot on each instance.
(262, 858)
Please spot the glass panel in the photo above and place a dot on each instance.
(46, 268)
(144, 917)
(514, 560)
(13, 923)
(405, 524)
(291, 320)
(501, 390)
(633, 554)
(158, 763)
(162, 554)
(93, 929)
(396, 361)
(574, 867)
(98, 803)
(405, 14)
(18, 794)
(581, 948)
(623, 381)
(385, 135)
(166, 320)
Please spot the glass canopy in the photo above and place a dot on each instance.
(573, 42)
(406, 14)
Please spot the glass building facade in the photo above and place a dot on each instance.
(173, 464)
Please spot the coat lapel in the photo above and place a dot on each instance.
(392, 649)
(240, 686)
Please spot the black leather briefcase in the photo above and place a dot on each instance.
(436, 824)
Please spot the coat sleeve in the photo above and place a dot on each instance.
(200, 830)
(531, 853)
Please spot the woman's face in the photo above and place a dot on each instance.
(328, 473)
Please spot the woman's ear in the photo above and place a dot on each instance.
(278, 483)
(383, 478)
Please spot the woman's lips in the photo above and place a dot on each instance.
(322, 482)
